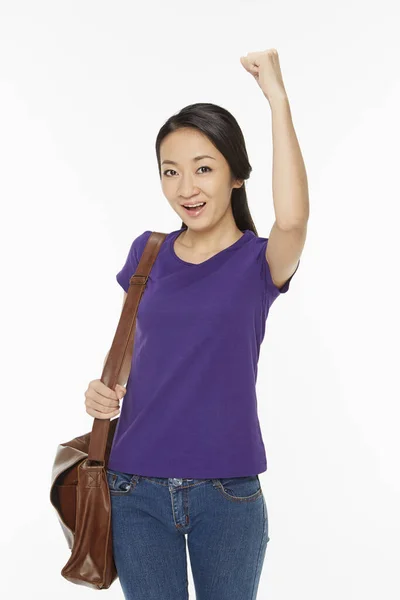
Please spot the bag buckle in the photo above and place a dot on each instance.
(143, 281)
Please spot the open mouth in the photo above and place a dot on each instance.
(196, 210)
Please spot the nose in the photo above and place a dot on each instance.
(187, 189)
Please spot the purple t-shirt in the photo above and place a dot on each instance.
(190, 408)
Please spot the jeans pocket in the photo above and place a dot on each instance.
(240, 489)
(120, 483)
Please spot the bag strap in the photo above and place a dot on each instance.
(119, 360)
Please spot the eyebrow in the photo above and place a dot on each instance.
(195, 159)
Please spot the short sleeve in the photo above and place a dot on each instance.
(272, 290)
(132, 260)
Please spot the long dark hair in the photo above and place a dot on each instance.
(221, 127)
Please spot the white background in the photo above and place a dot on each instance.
(84, 88)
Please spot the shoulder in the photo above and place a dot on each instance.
(257, 244)
(132, 259)
(138, 245)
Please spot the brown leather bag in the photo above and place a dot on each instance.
(79, 489)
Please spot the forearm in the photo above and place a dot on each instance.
(289, 177)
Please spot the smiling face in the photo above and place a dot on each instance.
(188, 179)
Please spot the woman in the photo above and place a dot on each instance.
(188, 449)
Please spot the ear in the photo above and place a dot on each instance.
(238, 183)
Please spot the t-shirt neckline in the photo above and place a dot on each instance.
(233, 246)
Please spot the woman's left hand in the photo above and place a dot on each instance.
(265, 68)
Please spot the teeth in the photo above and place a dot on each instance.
(193, 205)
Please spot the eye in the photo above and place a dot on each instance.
(204, 167)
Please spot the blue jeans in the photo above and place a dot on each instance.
(226, 523)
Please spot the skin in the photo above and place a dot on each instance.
(205, 180)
